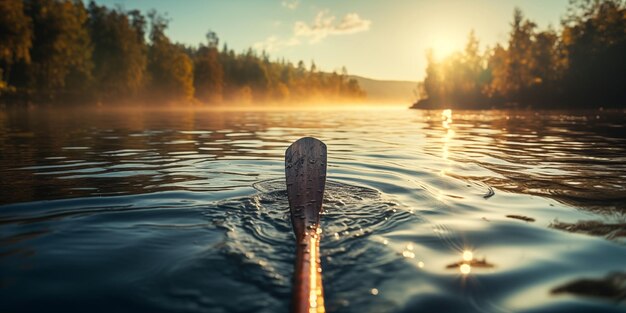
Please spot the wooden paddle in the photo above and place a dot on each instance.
(305, 170)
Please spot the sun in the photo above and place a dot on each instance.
(442, 47)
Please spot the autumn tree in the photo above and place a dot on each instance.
(169, 67)
(58, 49)
(61, 53)
(120, 51)
(15, 38)
(208, 71)
(594, 39)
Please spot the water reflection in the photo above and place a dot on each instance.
(465, 268)
(446, 123)
(169, 196)
(612, 286)
(468, 261)
(575, 159)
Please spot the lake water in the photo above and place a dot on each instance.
(186, 211)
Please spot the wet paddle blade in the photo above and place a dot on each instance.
(305, 171)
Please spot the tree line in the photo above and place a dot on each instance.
(582, 65)
(62, 50)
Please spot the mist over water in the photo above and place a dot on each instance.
(186, 210)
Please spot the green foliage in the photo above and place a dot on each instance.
(584, 65)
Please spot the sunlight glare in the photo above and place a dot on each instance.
(442, 47)
(468, 255)
(465, 269)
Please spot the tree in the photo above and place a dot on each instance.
(208, 71)
(516, 74)
(594, 41)
(584, 65)
(120, 54)
(171, 70)
(61, 51)
(15, 38)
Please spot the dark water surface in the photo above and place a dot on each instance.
(186, 211)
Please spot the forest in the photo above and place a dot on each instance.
(582, 65)
(63, 51)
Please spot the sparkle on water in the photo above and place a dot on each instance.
(186, 210)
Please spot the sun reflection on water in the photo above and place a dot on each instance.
(446, 123)
(465, 269)
(468, 261)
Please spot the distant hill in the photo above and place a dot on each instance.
(387, 91)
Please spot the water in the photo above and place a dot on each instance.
(186, 211)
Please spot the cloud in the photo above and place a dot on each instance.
(324, 25)
(290, 4)
(273, 43)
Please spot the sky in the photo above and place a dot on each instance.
(371, 38)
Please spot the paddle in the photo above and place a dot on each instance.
(305, 171)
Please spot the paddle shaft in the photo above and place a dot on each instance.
(305, 172)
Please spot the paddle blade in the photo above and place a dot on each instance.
(305, 171)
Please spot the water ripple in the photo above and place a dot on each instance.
(484, 211)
